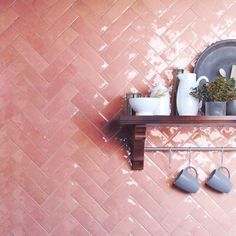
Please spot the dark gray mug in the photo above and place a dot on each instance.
(218, 181)
(186, 181)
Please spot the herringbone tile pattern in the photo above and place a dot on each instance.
(65, 66)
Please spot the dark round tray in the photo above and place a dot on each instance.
(221, 54)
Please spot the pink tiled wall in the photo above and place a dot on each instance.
(64, 67)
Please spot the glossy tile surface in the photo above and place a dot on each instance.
(65, 66)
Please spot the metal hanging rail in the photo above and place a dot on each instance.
(231, 149)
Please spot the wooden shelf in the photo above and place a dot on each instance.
(179, 120)
(137, 126)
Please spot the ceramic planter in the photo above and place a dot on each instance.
(215, 108)
(231, 108)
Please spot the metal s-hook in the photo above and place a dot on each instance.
(189, 156)
(222, 157)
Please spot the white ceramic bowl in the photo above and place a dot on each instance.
(144, 106)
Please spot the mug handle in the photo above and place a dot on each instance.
(227, 170)
(195, 171)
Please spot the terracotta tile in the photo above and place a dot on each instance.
(7, 37)
(6, 226)
(117, 10)
(59, 214)
(38, 6)
(63, 97)
(31, 36)
(38, 81)
(89, 110)
(152, 57)
(189, 225)
(8, 93)
(207, 221)
(89, 54)
(64, 152)
(29, 16)
(7, 55)
(118, 214)
(33, 171)
(81, 8)
(203, 12)
(140, 8)
(63, 78)
(116, 179)
(28, 185)
(5, 4)
(30, 55)
(80, 230)
(61, 43)
(92, 93)
(152, 226)
(62, 61)
(101, 7)
(122, 192)
(27, 146)
(179, 26)
(49, 147)
(87, 72)
(143, 67)
(28, 203)
(91, 205)
(9, 73)
(119, 63)
(89, 185)
(7, 167)
(66, 226)
(125, 226)
(87, 147)
(147, 182)
(129, 73)
(88, 222)
(61, 25)
(7, 18)
(58, 197)
(89, 128)
(183, 209)
(36, 117)
(25, 125)
(89, 166)
(98, 24)
(157, 7)
(119, 45)
(31, 92)
(58, 121)
(57, 11)
(89, 35)
(179, 46)
(119, 26)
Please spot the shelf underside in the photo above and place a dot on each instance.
(179, 120)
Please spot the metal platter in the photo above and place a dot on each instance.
(221, 54)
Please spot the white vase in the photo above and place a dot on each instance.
(187, 104)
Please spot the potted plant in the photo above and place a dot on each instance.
(215, 94)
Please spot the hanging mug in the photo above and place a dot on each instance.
(186, 181)
(219, 181)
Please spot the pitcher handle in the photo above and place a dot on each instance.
(227, 170)
(202, 78)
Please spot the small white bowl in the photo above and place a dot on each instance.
(144, 106)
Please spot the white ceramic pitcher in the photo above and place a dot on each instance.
(187, 104)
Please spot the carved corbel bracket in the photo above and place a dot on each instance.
(137, 148)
